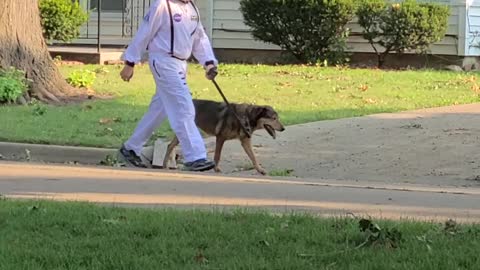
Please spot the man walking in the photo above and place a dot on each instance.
(171, 32)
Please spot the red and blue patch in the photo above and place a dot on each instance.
(177, 17)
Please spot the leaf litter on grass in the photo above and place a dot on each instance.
(106, 121)
(377, 236)
(111, 161)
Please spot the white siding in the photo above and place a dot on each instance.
(224, 24)
(472, 28)
(111, 28)
(230, 32)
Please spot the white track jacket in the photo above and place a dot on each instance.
(171, 27)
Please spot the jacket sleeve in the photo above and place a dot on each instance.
(202, 49)
(147, 30)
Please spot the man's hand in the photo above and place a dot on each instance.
(126, 73)
(211, 72)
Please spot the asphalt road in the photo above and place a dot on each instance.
(148, 188)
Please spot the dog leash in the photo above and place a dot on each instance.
(245, 129)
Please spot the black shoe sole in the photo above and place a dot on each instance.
(128, 162)
(200, 169)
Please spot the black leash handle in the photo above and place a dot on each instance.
(245, 129)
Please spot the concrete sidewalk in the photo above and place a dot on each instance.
(54, 153)
(433, 147)
(161, 188)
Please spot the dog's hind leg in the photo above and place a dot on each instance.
(170, 153)
(218, 153)
(247, 146)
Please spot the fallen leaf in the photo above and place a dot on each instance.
(375, 236)
(363, 87)
(422, 238)
(90, 93)
(71, 162)
(105, 121)
(450, 226)
(370, 101)
(265, 243)
(305, 255)
(470, 79)
(475, 88)
(111, 221)
(416, 126)
(28, 156)
(331, 265)
(285, 84)
(364, 224)
(474, 178)
(112, 161)
(200, 258)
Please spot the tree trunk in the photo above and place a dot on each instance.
(381, 59)
(22, 46)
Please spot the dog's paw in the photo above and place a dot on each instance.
(218, 170)
(261, 171)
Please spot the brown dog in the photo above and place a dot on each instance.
(217, 119)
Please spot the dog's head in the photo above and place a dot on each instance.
(265, 117)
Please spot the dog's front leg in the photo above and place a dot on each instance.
(247, 146)
(169, 153)
(218, 153)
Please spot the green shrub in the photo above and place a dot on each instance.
(312, 30)
(13, 84)
(61, 19)
(401, 27)
(82, 78)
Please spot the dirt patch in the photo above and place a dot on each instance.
(437, 147)
(84, 95)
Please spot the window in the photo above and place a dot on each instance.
(109, 5)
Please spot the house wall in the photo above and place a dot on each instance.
(112, 32)
(224, 25)
(229, 31)
(472, 28)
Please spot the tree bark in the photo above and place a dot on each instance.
(22, 46)
(381, 59)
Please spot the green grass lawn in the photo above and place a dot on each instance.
(300, 93)
(47, 235)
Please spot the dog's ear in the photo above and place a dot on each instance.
(258, 112)
(254, 114)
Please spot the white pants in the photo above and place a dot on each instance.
(173, 100)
